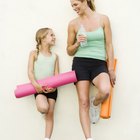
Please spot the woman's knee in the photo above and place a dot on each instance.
(105, 91)
(84, 104)
(105, 96)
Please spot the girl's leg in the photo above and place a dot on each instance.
(42, 104)
(49, 118)
(46, 106)
(102, 82)
(83, 96)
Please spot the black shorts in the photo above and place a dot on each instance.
(52, 95)
(88, 68)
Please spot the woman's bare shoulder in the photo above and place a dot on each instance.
(73, 24)
(104, 17)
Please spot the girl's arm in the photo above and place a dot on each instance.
(56, 69)
(109, 48)
(72, 44)
(31, 76)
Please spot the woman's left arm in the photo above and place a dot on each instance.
(109, 49)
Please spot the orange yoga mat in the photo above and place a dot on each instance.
(107, 105)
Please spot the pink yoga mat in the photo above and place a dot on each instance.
(53, 81)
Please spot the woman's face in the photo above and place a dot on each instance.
(78, 6)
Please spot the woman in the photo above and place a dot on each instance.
(91, 49)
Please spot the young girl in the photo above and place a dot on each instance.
(43, 63)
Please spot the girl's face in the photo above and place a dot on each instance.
(78, 6)
(50, 38)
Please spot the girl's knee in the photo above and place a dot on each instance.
(43, 109)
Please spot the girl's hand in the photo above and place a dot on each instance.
(49, 89)
(38, 88)
(112, 77)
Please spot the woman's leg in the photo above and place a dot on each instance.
(102, 82)
(49, 118)
(83, 96)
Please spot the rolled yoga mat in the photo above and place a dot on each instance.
(53, 81)
(107, 105)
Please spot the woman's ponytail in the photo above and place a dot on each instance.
(91, 4)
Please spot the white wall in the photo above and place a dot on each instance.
(19, 119)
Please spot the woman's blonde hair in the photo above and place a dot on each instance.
(40, 34)
(90, 4)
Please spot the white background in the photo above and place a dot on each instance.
(19, 119)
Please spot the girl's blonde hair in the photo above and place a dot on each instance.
(40, 34)
(90, 4)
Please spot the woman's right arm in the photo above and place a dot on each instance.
(72, 43)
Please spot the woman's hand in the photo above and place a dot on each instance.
(81, 38)
(112, 77)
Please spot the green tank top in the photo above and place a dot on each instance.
(95, 47)
(44, 66)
